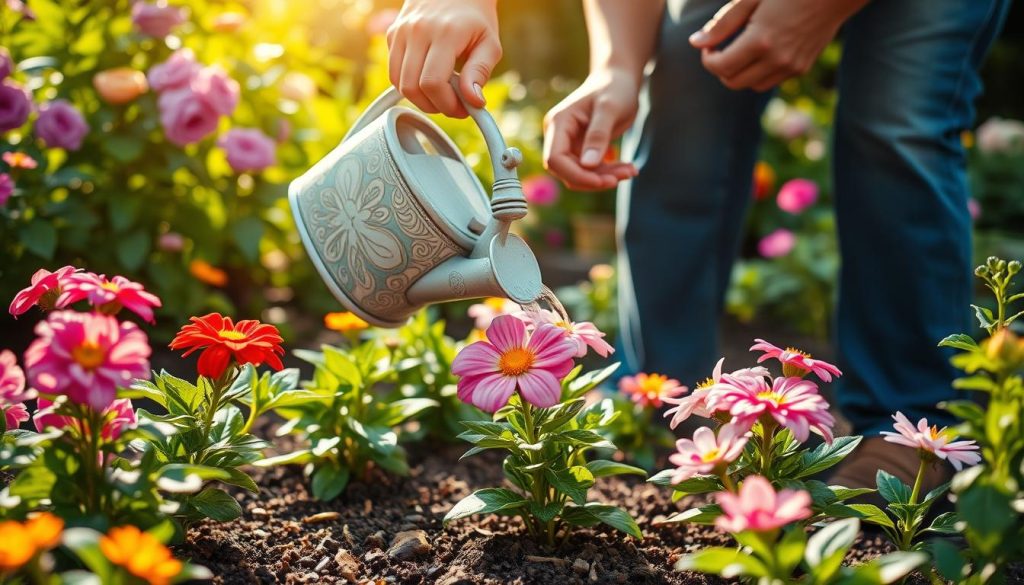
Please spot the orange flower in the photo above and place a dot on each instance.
(19, 542)
(20, 160)
(247, 342)
(344, 322)
(120, 85)
(203, 271)
(229, 22)
(140, 554)
(764, 180)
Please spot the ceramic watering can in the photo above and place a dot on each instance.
(395, 219)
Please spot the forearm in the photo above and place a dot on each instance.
(622, 33)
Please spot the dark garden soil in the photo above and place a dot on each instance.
(388, 530)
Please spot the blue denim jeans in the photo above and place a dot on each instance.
(907, 83)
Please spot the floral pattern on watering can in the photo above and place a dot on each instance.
(373, 235)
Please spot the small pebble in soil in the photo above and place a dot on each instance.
(375, 540)
(581, 567)
(409, 544)
(348, 565)
(321, 517)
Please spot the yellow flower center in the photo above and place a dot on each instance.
(709, 456)
(88, 355)
(110, 286)
(564, 325)
(516, 362)
(231, 334)
(770, 395)
(798, 351)
(496, 303)
(707, 383)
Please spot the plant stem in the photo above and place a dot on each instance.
(538, 486)
(253, 406)
(916, 492)
(727, 482)
(911, 527)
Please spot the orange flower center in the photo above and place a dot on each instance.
(88, 355)
(709, 456)
(516, 362)
(231, 334)
(653, 385)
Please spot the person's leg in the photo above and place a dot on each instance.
(907, 83)
(680, 219)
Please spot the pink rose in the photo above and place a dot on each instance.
(176, 72)
(6, 63)
(187, 116)
(6, 188)
(778, 243)
(157, 19)
(248, 149)
(540, 190)
(61, 125)
(797, 195)
(15, 105)
(220, 90)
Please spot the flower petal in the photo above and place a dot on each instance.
(506, 332)
(540, 388)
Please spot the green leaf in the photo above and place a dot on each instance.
(40, 237)
(888, 568)
(698, 484)
(241, 479)
(573, 482)
(133, 249)
(979, 382)
(944, 523)
(329, 481)
(949, 561)
(959, 341)
(611, 515)
(988, 510)
(726, 562)
(825, 456)
(296, 457)
(873, 514)
(587, 382)
(844, 493)
(562, 414)
(399, 411)
(830, 540)
(247, 232)
(702, 515)
(891, 488)
(216, 504)
(122, 148)
(582, 438)
(604, 468)
(547, 512)
(486, 501)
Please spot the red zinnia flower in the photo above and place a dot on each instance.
(248, 342)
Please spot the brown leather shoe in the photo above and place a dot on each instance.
(859, 468)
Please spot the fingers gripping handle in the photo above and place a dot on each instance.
(507, 200)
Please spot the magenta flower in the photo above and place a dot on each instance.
(157, 19)
(248, 149)
(86, 356)
(220, 90)
(707, 453)
(696, 402)
(44, 291)
(933, 441)
(796, 363)
(117, 418)
(177, 72)
(583, 334)
(6, 188)
(61, 125)
(109, 296)
(12, 380)
(14, 414)
(15, 105)
(757, 507)
(797, 195)
(540, 190)
(650, 389)
(187, 116)
(510, 360)
(791, 402)
(776, 244)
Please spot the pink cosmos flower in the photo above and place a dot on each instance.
(109, 296)
(510, 360)
(86, 356)
(933, 441)
(707, 453)
(776, 244)
(44, 291)
(187, 116)
(248, 149)
(650, 389)
(6, 188)
(14, 414)
(797, 195)
(696, 402)
(484, 313)
(218, 88)
(540, 190)
(15, 105)
(61, 125)
(117, 418)
(176, 72)
(791, 402)
(795, 363)
(157, 19)
(583, 334)
(759, 508)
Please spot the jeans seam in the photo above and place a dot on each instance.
(965, 66)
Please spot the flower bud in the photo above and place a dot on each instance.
(1005, 347)
(981, 271)
(1013, 267)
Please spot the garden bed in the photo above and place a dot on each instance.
(388, 530)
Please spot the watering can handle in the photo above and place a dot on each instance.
(507, 200)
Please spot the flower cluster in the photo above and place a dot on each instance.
(192, 98)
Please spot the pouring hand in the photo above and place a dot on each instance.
(427, 40)
(578, 131)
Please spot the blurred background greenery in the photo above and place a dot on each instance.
(205, 236)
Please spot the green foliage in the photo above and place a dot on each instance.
(547, 464)
(343, 422)
(636, 431)
(905, 511)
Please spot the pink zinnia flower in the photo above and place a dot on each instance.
(109, 296)
(797, 195)
(511, 360)
(117, 418)
(584, 334)
(795, 363)
(777, 244)
(650, 389)
(540, 190)
(757, 507)
(86, 356)
(14, 414)
(44, 291)
(929, 440)
(707, 453)
(485, 312)
(791, 402)
(696, 402)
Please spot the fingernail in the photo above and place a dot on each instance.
(698, 37)
(590, 157)
(478, 91)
